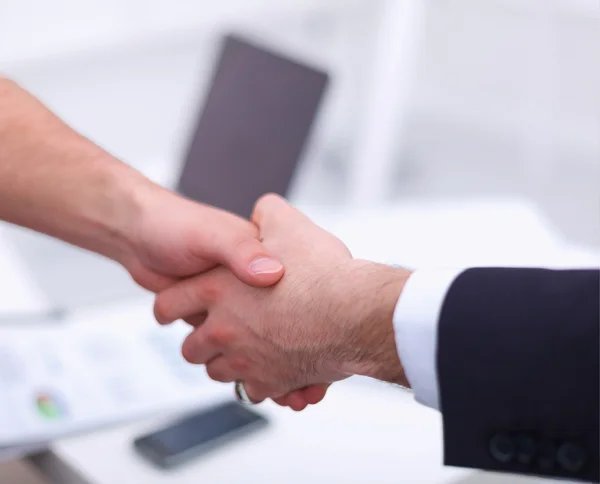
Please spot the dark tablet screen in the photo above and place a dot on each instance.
(254, 124)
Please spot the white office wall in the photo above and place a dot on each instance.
(137, 89)
(507, 96)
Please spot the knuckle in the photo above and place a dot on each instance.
(240, 364)
(255, 392)
(212, 372)
(260, 207)
(162, 309)
(189, 355)
(189, 351)
(244, 242)
(210, 292)
(194, 348)
(273, 392)
(218, 374)
(240, 233)
(191, 293)
(263, 390)
(267, 199)
(220, 335)
(205, 288)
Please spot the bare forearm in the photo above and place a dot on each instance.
(57, 182)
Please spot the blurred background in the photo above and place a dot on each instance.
(429, 99)
(495, 97)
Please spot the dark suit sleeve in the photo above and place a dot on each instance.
(518, 371)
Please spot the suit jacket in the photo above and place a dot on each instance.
(518, 368)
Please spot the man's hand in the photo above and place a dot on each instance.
(328, 318)
(173, 238)
(55, 181)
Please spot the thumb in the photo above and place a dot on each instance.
(253, 264)
(246, 257)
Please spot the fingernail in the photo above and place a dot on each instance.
(265, 265)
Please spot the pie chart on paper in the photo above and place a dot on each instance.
(49, 406)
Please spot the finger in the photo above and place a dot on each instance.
(239, 249)
(252, 264)
(148, 279)
(186, 298)
(281, 401)
(271, 212)
(315, 393)
(198, 348)
(296, 401)
(310, 395)
(285, 401)
(218, 369)
(256, 392)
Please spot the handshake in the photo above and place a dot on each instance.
(276, 303)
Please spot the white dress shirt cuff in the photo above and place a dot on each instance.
(415, 326)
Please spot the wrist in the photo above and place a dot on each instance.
(376, 290)
(125, 202)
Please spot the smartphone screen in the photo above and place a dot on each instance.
(198, 433)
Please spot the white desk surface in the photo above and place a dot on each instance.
(359, 434)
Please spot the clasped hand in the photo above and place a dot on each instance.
(285, 342)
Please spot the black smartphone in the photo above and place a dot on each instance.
(197, 434)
